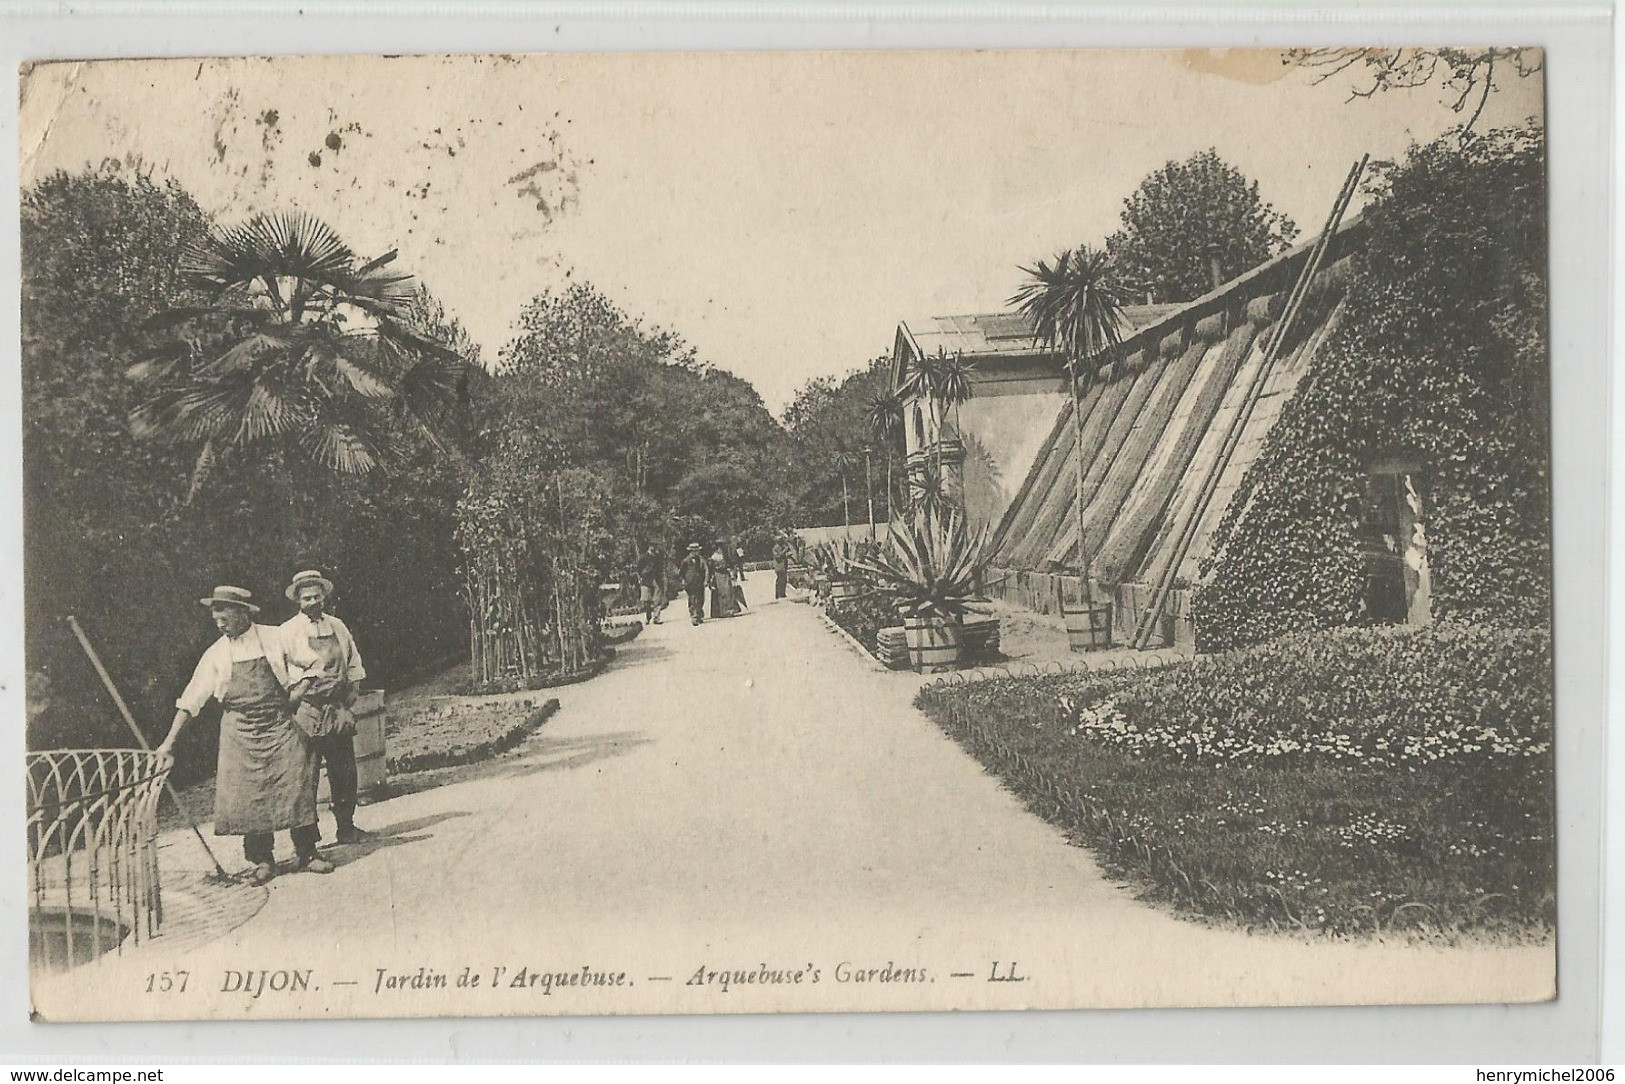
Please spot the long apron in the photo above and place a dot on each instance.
(329, 652)
(331, 657)
(265, 779)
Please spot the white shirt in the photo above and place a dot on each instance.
(303, 629)
(290, 662)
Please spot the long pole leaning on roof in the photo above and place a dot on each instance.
(1238, 423)
(129, 719)
(1077, 377)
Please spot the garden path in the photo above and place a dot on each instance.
(746, 792)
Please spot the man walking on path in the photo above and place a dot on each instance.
(651, 584)
(695, 572)
(330, 641)
(781, 565)
(265, 776)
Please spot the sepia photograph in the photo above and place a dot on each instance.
(580, 534)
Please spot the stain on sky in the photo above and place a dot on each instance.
(550, 182)
(320, 151)
(270, 140)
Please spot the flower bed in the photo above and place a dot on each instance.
(440, 734)
(614, 634)
(863, 617)
(550, 680)
(1358, 781)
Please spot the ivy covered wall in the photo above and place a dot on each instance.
(1439, 360)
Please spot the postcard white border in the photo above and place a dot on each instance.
(1580, 101)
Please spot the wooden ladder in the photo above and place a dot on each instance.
(1238, 423)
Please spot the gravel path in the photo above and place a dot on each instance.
(745, 796)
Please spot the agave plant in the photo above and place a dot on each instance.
(834, 559)
(930, 568)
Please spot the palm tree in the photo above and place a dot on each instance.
(944, 382)
(842, 461)
(299, 343)
(953, 384)
(1077, 312)
(885, 418)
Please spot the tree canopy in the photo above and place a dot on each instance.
(1190, 226)
(109, 534)
(830, 421)
(637, 406)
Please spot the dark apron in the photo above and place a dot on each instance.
(265, 779)
(330, 653)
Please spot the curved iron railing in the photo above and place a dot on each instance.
(92, 853)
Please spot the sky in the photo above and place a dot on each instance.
(781, 212)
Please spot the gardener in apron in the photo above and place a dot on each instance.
(330, 641)
(265, 779)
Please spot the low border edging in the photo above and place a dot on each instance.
(852, 641)
(452, 758)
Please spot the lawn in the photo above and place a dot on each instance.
(1351, 783)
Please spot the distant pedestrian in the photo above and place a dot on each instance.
(722, 585)
(694, 573)
(652, 584)
(782, 551)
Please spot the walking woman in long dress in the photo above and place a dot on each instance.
(265, 777)
(722, 587)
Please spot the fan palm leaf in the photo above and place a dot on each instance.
(340, 447)
(303, 342)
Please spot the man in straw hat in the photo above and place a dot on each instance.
(330, 641)
(265, 779)
(695, 572)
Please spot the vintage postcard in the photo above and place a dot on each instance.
(732, 533)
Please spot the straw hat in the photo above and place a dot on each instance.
(231, 596)
(693, 545)
(310, 576)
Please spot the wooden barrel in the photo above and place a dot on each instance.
(370, 723)
(371, 772)
(1089, 629)
(933, 643)
(979, 635)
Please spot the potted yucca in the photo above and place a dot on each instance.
(834, 561)
(929, 573)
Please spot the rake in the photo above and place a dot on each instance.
(219, 875)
